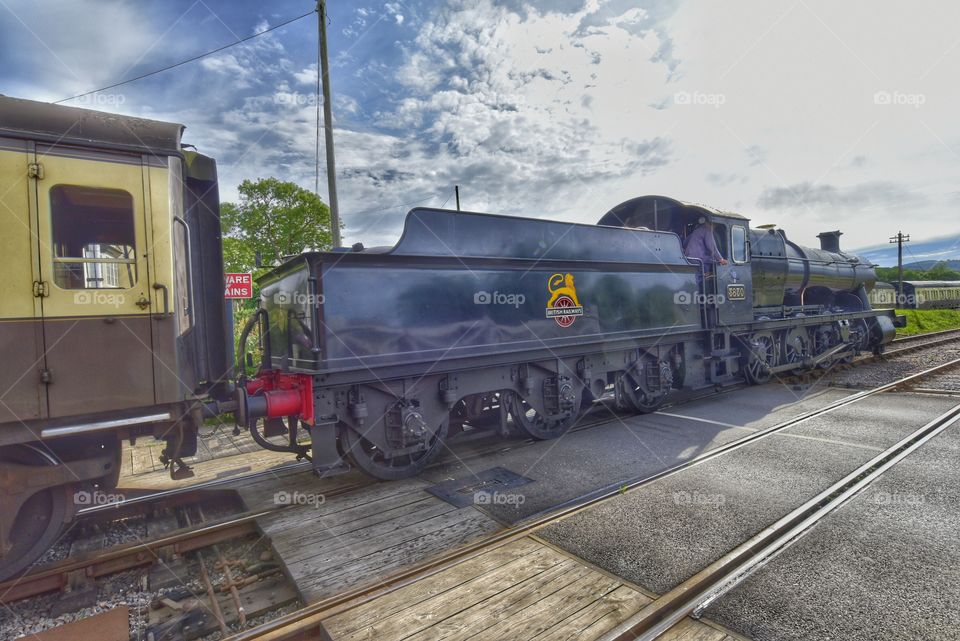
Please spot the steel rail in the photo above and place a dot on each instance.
(123, 557)
(916, 337)
(694, 595)
(913, 347)
(296, 623)
(53, 576)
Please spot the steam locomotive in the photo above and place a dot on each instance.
(372, 351)
(113, 324)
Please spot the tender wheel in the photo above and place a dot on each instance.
(630, 394)
(533, 422)
(40, 519)
(377, 463)
(761, 356)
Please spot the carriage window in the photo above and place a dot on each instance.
(739, 243)
(93, 238)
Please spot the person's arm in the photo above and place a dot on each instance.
(711, 244)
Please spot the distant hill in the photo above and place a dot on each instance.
(927, 264)
(917, 253)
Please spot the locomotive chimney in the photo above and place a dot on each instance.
(830, 241)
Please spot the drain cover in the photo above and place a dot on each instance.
(479, 488)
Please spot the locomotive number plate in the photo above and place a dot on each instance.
(736, 292)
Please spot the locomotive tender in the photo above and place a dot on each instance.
(113, 323)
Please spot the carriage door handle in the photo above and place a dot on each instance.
(166, 301)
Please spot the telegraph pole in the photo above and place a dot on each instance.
(324, 70)
(900, 239)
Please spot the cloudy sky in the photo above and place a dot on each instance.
(810, 114)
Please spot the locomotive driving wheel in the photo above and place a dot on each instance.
(796, 347)
(390, 465)
(40, 518)
(761, 357)
(825, 337)
(535, 423)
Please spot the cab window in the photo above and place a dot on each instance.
(93, 238)
(720, 237)
(738, 242)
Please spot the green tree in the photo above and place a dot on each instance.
(274, 219)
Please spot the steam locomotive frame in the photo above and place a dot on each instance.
(113, 323)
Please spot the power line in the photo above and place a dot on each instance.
(189, 60)
(416, 202)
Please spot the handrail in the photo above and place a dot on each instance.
(186, 228)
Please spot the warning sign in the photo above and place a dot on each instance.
(239, 286)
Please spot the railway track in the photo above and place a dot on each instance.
(189, 493)
(909, 344)
(927, 335)
(306, 621)
(57, 576)
(694, 595)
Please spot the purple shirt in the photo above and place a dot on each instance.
(701, 244)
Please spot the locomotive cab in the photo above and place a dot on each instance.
(726, 291)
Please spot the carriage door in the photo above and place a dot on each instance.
(22, 396)
(96, 298)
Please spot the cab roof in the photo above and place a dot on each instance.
(622, 213)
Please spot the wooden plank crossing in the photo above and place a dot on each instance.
(262, 491)
(140, 470)
(522, 590)
(358, 538)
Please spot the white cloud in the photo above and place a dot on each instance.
(558, 109)
(80, 44)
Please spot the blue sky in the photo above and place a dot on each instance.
(812, 115)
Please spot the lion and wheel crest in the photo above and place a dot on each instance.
(563, 305)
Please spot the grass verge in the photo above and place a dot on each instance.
(922, 321)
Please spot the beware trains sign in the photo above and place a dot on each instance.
(239, 286)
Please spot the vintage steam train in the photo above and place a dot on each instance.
(917, 294)
(114, 324)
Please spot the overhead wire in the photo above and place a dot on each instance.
(189, 60)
